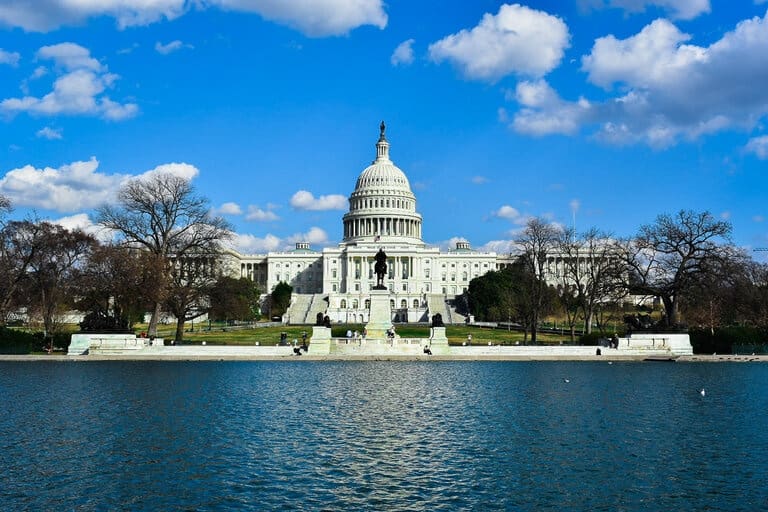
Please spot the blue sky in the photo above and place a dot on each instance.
(602, 113)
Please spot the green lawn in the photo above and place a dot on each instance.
(271, 335)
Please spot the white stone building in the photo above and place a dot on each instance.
(337, 281)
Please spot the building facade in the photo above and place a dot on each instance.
(422, 280)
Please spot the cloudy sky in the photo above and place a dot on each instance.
(593, 113)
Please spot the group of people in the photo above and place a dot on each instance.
(356, 336)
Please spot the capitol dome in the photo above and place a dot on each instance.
(382, 208)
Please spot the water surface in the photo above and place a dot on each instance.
(383, 436)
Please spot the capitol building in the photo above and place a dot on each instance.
(337, 281)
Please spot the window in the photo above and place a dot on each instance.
(444, 276)
(403, 304)
(354, 304)
(357, 287)
(463, 276)
(428, 287)
(415, 303)
(335, 287)
(392, 303)
(453, 276)
(343, 304)
(426, 273)
(405, 287)
(333, 273)
(367, 303)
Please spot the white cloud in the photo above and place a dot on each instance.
(758, 146)
(517, 40)
(49, 133)
(403, 54)
(180, 169)
(656, 56)
(304, 200)
(500, 247)
(165, 49)
(312, 17)
(669, 89)
(73, 187)
(677, 9)
(39, 72)
(315, 18)
(82, 222)
(10, 58)
(257, 214)
(479, 180)
(249, 244)
(544, 113)
(45, 15)
(315, 236)
(758, 218)
(507, 212)
(229, 209)
(69, 56)
(78, 89)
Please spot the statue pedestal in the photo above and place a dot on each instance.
(438, 341)
(380, 319)
(320, 342)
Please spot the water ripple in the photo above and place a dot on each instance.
(382, 436)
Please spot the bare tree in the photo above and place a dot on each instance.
(667, 257)
(51, 270)
(191, 280)
(163, 215)
(116, 286)
(593, 270)
(20, 242)
(537, 241)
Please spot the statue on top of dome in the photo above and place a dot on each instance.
(383, 129)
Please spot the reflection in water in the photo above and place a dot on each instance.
(383, 436)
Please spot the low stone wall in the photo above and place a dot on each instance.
(677, 344)
(86, 343)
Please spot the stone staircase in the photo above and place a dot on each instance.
(317, 305)
(455, 317)
(438, 304)
(305, 307)
(297, 311)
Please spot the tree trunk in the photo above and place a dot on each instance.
(670, 310)
(588, 322)
(179, 330)
(152, 327)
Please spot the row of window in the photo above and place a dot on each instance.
(403, 304)
(385, 203)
